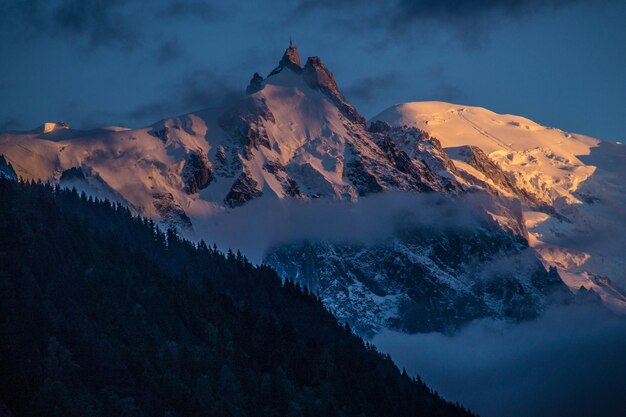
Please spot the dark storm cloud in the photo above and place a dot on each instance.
(369, 88)
(100, 22)
(197, 90)
(188, 8)
(168, 51)
(442, 88)
(469, 20)
(472, 20)
(97, 23)
(89, 22)
(408, 11)
(206, 87)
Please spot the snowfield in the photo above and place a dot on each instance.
(582, 178)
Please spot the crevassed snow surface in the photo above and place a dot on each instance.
(581, 177)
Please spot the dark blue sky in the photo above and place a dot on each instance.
(131, 62)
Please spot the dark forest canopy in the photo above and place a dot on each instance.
(103, 314)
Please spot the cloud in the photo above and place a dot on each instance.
(205, 87)
(369, 88)
(90, 24)
(11, 124)
(100, 22)
(86, 23)
(442, 88)
(188, 9)
(264, 223)
(570, 362)
(168, 51)
(198, 89)
(468, 21)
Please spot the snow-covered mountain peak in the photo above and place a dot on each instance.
(571, 185)
(295, 141)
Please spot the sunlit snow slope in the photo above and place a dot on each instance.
(582, 178)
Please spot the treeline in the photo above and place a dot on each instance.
(103, 314)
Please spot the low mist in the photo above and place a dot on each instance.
(571, 362)
(263, 223)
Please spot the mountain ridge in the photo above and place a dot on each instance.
(295, 137)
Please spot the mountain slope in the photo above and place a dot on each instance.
(295, 149)
(102, 314)
(572, 185)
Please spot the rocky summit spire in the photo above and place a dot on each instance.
(318, 77)
(290, 59)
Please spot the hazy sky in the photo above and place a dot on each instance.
(132, 62)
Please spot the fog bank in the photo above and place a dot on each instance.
(263, 223)
(571, 362)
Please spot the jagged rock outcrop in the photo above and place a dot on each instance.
(170, 212)
(50, 127)
(423, 280)
(362, 179)
(290, 60)
(245, 123)
(290, 187)
(73, 174)
(587, 296)
(163, 133)
(476, 158)
(197, 173)
(432, 164)
(318, 77)
(244, 189)
(6, 169)
(256, 84)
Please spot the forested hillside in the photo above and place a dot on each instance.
(102, 314)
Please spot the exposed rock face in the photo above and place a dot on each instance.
(163, 134)
(290, 59)
(71, 174)
(431, 165)
(419, 176)
(245, 123)
(197, 173)
(256, 84)
(170, 211)
(379, 126)
(290, 187)
(417, 144)
(318, 77)
(421, 280)
(476, 158)
(362, 179)
(6, 170)
(244, 189)
(52, 126)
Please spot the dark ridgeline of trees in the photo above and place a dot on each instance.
(102, 314)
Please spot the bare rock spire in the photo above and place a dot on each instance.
(290, 59)
(318, 77)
